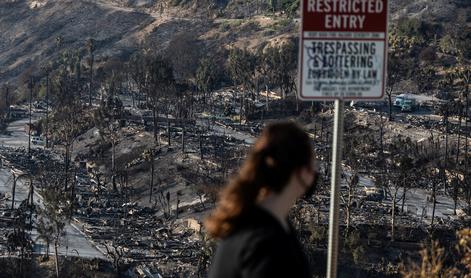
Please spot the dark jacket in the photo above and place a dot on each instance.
(259, 247)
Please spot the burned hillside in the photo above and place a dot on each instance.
(122, 121)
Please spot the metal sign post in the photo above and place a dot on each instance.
(335, 189)
(343, 56)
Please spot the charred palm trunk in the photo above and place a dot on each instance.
(47, 249)
(455, 196)
(466, 119)
(434, 200)
(67, 151)
(113, 164)
(348, 214)
(168, 129)
(151, 176)
(381, 135)
(30, 113)
(13, 192)
(242, 105)
(393, 216)
(183, 138)
(155, 125)
(404, 193)
(72, 193)
(266, 98)
(90, 85)
(201, 144)
(7, 102)
(57, 258)
(446, 147)
(31, 193)
(459, 137)
(47, 110)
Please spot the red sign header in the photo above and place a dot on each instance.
(345, 15)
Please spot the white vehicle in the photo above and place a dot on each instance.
(36, 140)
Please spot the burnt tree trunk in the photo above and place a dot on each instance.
(183, 138)
(404, 193)
(434, 200)
(113, 165)
(393, 216)
(155, 126)
(57, 258)
(67, 151)
(13, 190)
(168, 130)
(445, 119)
(151, 176)
(90, 85)
(459, 137)
(47, 110)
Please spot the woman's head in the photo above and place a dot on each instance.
(282, 152)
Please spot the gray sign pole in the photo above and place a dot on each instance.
(335, 190)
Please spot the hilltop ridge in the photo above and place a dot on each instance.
(119, 27)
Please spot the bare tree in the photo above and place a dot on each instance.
(160, 87)
(54, 214)
(19, 240)
(108, 119)
(398, 175)
(206, 76)
(241, 66)
(149, 156)
(184, 51)
(137, 72)
(6, 96)
(46, 69)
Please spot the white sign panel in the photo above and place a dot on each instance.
(343, 49)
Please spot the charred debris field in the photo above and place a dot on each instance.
(120, 122)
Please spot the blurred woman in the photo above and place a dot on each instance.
(251, 217)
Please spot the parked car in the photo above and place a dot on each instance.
(405, 102)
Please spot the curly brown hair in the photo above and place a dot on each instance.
(282, 148)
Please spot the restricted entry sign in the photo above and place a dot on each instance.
(343, 49)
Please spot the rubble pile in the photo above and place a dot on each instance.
(143, 234)
(20, 160)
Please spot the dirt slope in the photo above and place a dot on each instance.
(29, 28)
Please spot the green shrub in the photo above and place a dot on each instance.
(290, 6)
